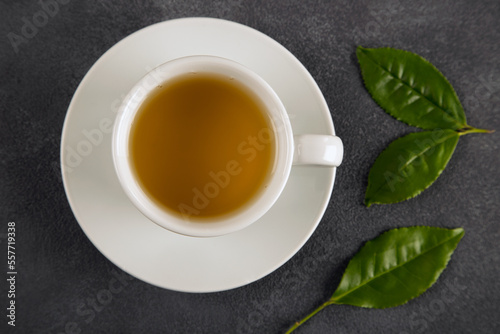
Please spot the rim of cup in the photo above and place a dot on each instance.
(190, 225)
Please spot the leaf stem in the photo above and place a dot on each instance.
(470, 129)
(310, 315)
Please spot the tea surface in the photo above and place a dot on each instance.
(202, 146)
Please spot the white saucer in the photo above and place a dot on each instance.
(120, 231)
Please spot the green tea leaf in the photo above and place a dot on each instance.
(397, 266)
(410, 88)
(409, 165)
(393, 268)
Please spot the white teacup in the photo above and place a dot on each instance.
(290, 149)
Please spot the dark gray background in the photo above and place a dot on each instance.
(60, 271)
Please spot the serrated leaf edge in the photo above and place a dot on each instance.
(360, 48)
(368, 202)
(438, 272)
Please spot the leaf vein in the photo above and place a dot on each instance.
(436, 143)
(411, 273)
(394, 268)
(395, 76)
(400, 169)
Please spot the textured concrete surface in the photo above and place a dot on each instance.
(61, 274)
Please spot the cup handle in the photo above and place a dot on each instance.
(318, 150)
